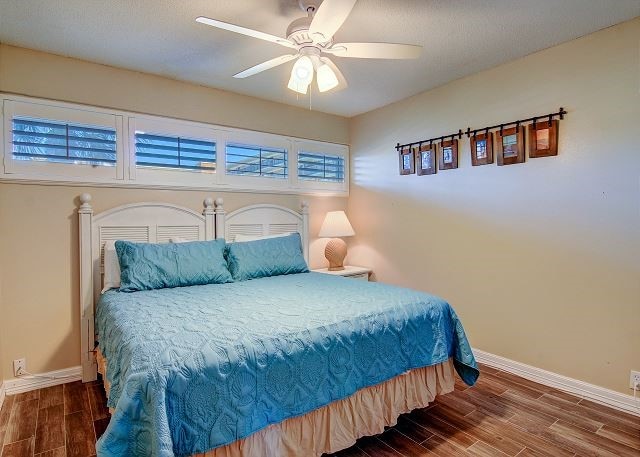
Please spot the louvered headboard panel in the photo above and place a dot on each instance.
(140, 222)
(114, 233)
(257, 220)
(165, 233)
(277, 229)
(243, 229)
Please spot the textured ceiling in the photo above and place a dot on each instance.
(460, 37)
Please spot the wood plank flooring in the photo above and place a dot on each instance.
(503, 415)
(56, 421)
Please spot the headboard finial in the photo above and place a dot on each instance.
(219, 204)
(208, 206)
(85, 207)
(305, 207)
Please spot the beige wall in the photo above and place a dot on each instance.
(39, 317)
(38, 74)
(1, 320)
(541, 260)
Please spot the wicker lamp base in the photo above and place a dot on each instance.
(335, 252)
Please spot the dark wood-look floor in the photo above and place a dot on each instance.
(503, 415)
(56, 421)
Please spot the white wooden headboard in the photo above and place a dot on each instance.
(140, 222)
(158, 223)
(264, 219)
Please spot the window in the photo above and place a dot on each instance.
(175, 152)
(320, 167)
(51, 141)
(60, 141)
(172, 152)
(249, 160)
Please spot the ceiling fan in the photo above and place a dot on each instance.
(311, 41)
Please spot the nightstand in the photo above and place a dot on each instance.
(349, 271)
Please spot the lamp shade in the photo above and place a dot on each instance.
(336, 225)
(301, 75)
(326, 78)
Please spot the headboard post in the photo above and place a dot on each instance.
(209, 218)
(85, 215)
(220, 218)
(304, 210)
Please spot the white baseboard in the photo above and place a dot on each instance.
(2, 393)
(41, 380)
(582, 389)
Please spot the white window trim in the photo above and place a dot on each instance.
(46, 170)
(324, 149)
(168, 176)
(128, 175)
(257, 139)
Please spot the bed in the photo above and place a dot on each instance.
(298, 364)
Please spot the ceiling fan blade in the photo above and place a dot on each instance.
(329, 17)
(245, 31)
(375, 50)
(342, 82)
(265, 66)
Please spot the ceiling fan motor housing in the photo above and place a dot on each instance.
(298, 30)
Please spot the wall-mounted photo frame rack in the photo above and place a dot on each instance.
(538, 135)
(422, 157)
(510, 138)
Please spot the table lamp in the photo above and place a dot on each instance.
(336, 225)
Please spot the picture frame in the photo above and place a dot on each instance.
(406, 161)
(426, 159)
(481, 148)
(510, 146)
(543, 139)
(448, 155)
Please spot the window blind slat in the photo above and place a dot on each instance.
(170, 150)
(168, 165)
(58, 136)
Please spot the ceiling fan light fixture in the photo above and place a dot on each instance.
(297, 86)
(312, 37)
(301, 75)
(326, 78)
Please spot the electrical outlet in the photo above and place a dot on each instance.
(634, 379)
(19, 367)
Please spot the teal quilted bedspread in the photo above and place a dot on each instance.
(194, 368)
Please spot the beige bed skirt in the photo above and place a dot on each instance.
(339, 424)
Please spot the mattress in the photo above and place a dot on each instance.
(196, 368)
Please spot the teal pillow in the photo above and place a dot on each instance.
(268, 257)
(146, 266)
